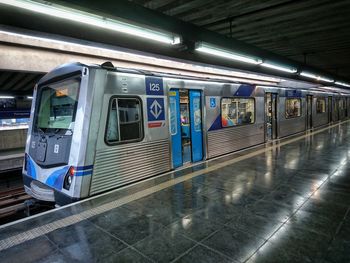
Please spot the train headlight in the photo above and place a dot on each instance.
(25, 161)
(71, 171)
(69, 178)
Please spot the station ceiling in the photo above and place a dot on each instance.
(314, 32)
(17, 83)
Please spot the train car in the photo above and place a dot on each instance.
(95, 128)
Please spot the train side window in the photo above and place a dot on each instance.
(112, 134)
(293, 108)
(237, 111)
(124, 121)
(320, 105)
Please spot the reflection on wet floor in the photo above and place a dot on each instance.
(288, 204)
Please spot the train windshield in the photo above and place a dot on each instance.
(57, 106)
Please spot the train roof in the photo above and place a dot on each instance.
(75, 67)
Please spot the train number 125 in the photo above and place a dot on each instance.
(154, 87)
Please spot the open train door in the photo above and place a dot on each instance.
(309, 100)
(196, 125)
(186, 126)
(175, 128)
(271, 115)
(330, 106)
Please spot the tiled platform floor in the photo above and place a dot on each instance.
(290, 203)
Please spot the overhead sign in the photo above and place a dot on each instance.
(155, 109)
(293, 93)
(14, 114)
(154, 86)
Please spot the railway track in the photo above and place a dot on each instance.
(12, 201)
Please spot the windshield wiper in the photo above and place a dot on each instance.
(55, 131)
(40, 130)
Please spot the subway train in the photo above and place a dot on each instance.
(95, 128)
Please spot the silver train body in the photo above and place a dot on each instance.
(94, 128)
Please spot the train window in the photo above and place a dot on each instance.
(57, 106)
(237, 111)
(173, 115)
(124, 120)
(112, 134)
(197, 114)
(320, 105)
(293, 108)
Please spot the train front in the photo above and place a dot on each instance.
(53, 161)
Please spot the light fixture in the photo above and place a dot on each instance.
(29, 97)
(7, 97)
(215, 51)
(342, 84)
(326, 79)
(279, 67)
(314, 76)
(142, 61)
(94, 20)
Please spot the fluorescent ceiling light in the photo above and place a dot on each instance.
(7, 97)
(325, 79)
(342, 84)
(317, 77)
(208, 49)
(308, 75)
(279, 67)
(94, 20)
(29, 97)
(144, 61)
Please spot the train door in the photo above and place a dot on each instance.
(345, 108)
(309, 112)
(335, 109)
(330, 104)
(186, 126)
(341, 109)
(271, 115)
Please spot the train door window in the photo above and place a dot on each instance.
(124, 121)
(185, 126)
(293, 108)
(271, 116)
(342, 108)
(173, 115)
(309, 103)
(320, 105)
(197, 114)
(336, 109)
(330, 109)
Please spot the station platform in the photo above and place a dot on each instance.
(286, 201)
(11, 159)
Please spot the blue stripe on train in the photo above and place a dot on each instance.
(216, 124)
(244, 90)
(80, 168)
(83, 173)
(56, 178)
